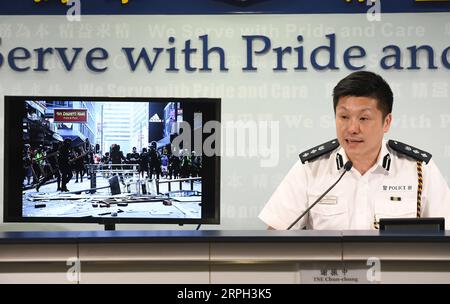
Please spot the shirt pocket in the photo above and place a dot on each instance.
(329, 214)
(394, 206)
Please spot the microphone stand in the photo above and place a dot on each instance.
(348, 165)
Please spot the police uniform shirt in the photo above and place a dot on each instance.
(387, 190)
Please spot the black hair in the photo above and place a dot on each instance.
(365, 84)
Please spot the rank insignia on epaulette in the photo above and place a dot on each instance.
(410, 151)
(318, 151)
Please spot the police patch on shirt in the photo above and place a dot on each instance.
(397, 188)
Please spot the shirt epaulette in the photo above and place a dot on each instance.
(410, 151)
(319, 150)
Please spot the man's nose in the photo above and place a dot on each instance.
(353, 126)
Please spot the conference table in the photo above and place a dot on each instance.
(224, 257)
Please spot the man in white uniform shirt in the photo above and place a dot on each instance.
(388, 179)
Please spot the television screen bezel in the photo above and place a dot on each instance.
(13, 143)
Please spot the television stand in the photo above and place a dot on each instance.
(110, 226)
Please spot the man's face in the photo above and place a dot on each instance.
(360, 126)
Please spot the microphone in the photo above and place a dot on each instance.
(348, 165)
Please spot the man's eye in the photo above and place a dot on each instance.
(364, 118)
(344, 117)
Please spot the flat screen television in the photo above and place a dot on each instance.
(112, 160)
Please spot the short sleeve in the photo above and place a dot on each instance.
(288, 201)
(436, 194)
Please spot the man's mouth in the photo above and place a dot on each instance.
(353, 141)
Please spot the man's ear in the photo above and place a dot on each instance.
(387, 122)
